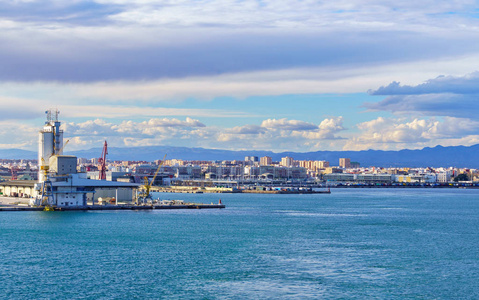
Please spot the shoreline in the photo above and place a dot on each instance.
(310, 189)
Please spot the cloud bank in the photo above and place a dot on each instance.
(449, 96)
(276, 134)
(468, 84)
(399, 133)
(78, 41)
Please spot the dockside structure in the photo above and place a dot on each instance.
(58, 174)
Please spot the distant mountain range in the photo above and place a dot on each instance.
(457, 156)
(17, 154)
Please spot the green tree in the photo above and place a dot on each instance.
(461, 177)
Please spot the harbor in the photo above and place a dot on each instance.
(61, 187)
(242, 190)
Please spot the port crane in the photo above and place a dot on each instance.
(102, 162)
(45, 197)
(14, 170)
(145, 196)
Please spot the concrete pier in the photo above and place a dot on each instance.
(115, 207)
(20, 204)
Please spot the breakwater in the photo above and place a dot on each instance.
(255, 190)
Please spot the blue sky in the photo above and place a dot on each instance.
(261, 75)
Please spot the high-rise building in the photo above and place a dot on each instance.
(266, 161)
(308, 164)
(321, 164)
(287, 161)
(355, 164)
(82, 161)
(251, 160)
(345, 163)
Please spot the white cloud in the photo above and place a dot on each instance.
(131, 133)
(246, 129)
(17, 135)
(285, 14)
(280, 134)
(151, 127)
(285, 135)
(389, 133)
(285, 124)
(332, 125)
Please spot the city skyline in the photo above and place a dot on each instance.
(242, 75)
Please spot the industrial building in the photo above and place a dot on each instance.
(18, 188)
(59, 184)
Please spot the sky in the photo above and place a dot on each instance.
(283, 75)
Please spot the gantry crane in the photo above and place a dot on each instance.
(45, 197)
(145, 196)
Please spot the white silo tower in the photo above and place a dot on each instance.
(50, 141)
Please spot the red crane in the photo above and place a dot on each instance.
(102, 162)
(14, 172)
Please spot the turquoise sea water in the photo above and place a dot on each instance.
(354, 243)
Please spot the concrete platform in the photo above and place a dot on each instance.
(114, 207)
(21, 204)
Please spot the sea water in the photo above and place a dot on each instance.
(353, 243)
